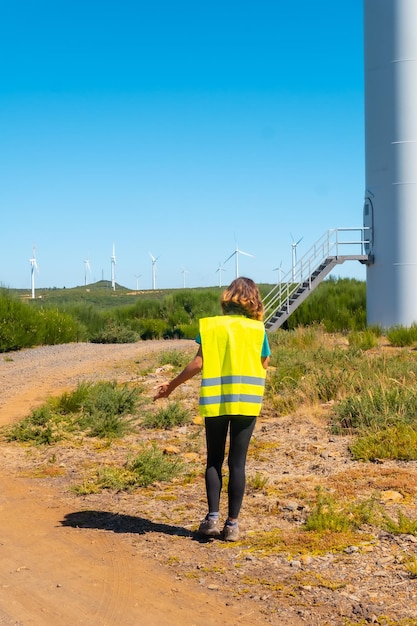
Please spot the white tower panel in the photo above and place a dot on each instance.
(391, 160)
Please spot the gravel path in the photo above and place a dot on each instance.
(27, 376)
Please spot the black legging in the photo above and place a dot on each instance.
(241, 429)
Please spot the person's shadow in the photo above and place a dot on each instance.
(121, 523)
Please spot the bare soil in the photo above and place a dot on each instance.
(113, 558)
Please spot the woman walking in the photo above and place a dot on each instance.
(233, 356)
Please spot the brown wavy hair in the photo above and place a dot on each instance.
(242, 297)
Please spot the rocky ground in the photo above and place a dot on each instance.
(274, 574)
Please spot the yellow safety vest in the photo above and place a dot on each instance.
(233, 377)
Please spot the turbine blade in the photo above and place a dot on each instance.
(229, 257)
(246, 253)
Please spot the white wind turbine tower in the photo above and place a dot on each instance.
(154, 260)
(113, 263)
(137, 276)
(87, 270)
(279, 270)
(294, 255)
(220, 269)
(236, 255)
(33, 266)
(184, 272)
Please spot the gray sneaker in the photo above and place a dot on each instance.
(209, 528)
(231, 532)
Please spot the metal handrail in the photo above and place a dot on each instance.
(328, 246)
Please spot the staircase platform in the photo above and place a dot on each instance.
(310, 271)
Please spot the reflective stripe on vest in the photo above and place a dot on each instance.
(233, 378)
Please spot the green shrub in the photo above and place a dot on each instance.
(362, 340)
(20, 326)
(152, 329)
(376, 330)
(401, 336)
(197, 303)
(169, 417)
(176, 358)
(257, 482)
(104, 408)
(151, 466)
(402, 526)
(148, 467)
(189, 331)
(114, 478)
(91, 318)
(397, 442)
(104, 425)
(379, 406)
(411, 565)
(40, 427)
(174, 332)
(330, 515)
(115, 332)
(177, 317)
(72, 401)
(23, 326)
(57, 327)
(97, 410)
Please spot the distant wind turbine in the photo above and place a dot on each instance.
(220, 269)
(279, 270)
(294, 255)
(33, 266)
(184, 272)
(87, 270)
(113, 263)
(236, 255)
(154, 260)
(137, 276)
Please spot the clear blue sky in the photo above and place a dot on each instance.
(181, 128)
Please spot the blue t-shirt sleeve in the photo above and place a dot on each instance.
(266, 350)
(198, 339)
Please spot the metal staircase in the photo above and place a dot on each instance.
(307, 273)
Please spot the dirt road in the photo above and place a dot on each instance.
(54, 574)
(57, 575)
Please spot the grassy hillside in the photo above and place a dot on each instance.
(97, 313)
